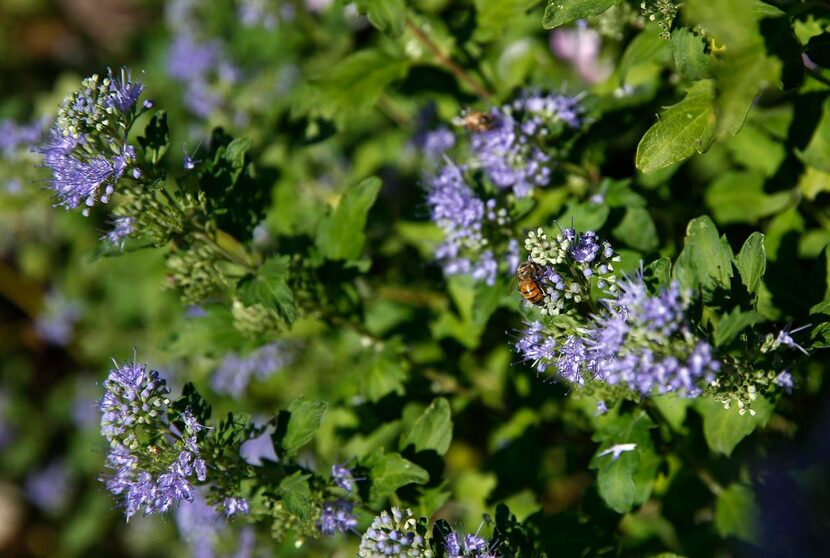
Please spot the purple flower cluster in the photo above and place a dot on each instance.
(434, 143)
(264, 13)
(342, 477)
(133, 396)
(235, 372)
(56, 323)
(154, 478)
(202, 66)
(336, 516)
(49, 488)
(87, 150)
(463, 216)
(204, 69)
(235, 506)
(471, 546)
(394, 533)
(200, 526)
(15, 138)
(567, 266)
(514, 150)
(637, 341)
(122, 227)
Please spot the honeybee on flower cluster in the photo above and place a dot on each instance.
(476, 121)
(527, 277)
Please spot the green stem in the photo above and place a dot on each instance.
(702, 473)
(447, 62)
(816, 75)
(222, 251)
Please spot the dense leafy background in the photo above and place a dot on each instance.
(709, 142)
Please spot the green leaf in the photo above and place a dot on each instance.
(739, 197)
(586, 216)
(467, 325)
(821, 308)
(560, 12)
(706, 259)
(296, 495)
(432, 430)
(752, 261)
(637, 229)
(384, 374)
(817, 152)
(269, 287)
(489, 298)
(390, 472)
(689, 52)
(733, 323)
(740, 75)
(732, 23)
(351, 87)
(754, 148)
(788, 222)
(494, 16)
(681, 130)
(340, 235)
(234, 154)
(673, 408)
(627, 480)
(736, 513)
(658, 273)
(211, 334)
(813, 182)
(646, 48)
(156, 138)
(725, 428)
(820, 336)
(389, 16)
(304, 421)
(615, 482)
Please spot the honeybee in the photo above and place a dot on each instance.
(154, 451)
(526, 276)
(476, 121)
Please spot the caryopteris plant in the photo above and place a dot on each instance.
(448, 279)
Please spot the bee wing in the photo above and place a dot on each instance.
(513, 284)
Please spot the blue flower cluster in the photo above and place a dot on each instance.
(122, 227)
(514, 149)
(204, 69)
(464, 218)
(568, 265)
(511, 150)
(49, 488)
(637, 341)
(470, 546)
(15, 137)
(235, 372)
(394, 533)
(264, 13)
(337, 515)
(342, 477)
(157, 477)
(642, 341)
(86, 149)
(56, 322)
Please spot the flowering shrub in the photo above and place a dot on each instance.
(422, 279)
